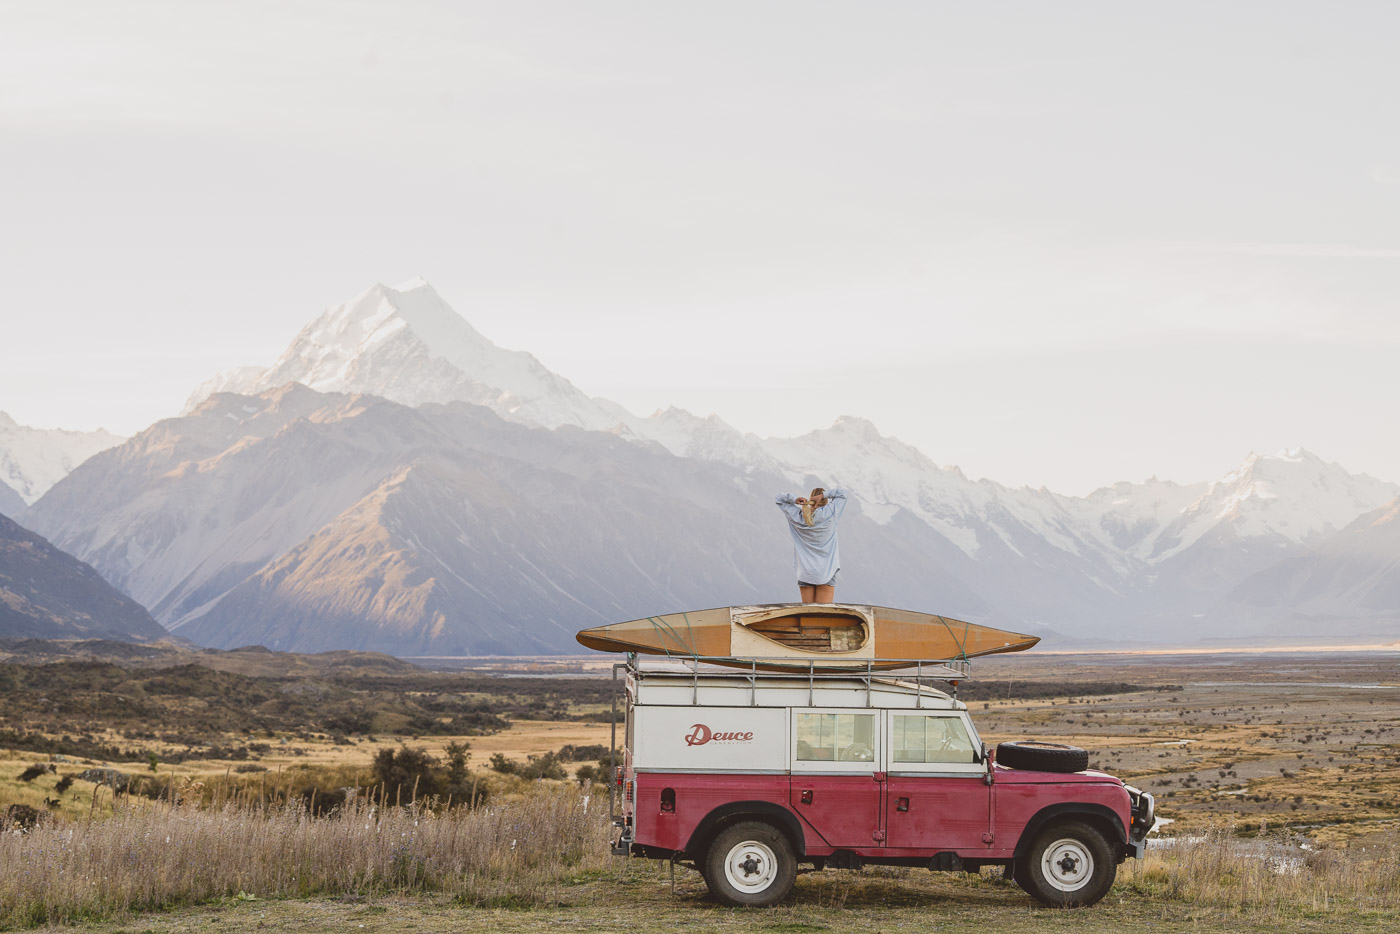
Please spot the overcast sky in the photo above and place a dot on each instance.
(1052, 243)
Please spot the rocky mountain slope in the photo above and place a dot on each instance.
(11, 504)
(34, 459)
(1352, 578)
(47, 594)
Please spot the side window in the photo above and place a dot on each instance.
(930, 739)
(835, 737)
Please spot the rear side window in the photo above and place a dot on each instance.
(835, 737)
(930, 739)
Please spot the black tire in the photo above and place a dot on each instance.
(750, 864)
(1017, 873)
(1042, 757)
(1069, 865)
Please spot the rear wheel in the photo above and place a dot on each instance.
(750, 863)
(1070, 865)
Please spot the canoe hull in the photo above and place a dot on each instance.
(794, 635)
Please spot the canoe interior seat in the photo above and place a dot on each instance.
(814, 632)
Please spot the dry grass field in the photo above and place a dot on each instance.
(1308, 744)
(1277, 772)
(537, 861)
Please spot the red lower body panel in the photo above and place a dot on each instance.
(696, 795)
(899, 817)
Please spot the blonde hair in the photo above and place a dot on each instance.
(810, 507)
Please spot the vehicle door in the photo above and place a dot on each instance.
(936, 793)
(837, 783)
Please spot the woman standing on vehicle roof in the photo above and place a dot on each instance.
(812, 523)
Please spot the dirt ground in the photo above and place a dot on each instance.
(639, 898)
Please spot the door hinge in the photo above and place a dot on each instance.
(878, 835)
(988, 837)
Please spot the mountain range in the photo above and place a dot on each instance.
(397, 482)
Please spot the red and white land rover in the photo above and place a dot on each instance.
(746, 775)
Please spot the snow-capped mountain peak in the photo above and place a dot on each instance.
(1292, 495)
(406, 344)
(34, 459)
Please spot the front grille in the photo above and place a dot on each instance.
(1143, 811)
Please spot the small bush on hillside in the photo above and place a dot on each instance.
(34, 771)
(151, 786)
(458, 783)
(545, 766)
(21, 817)
(321, 802)
(407, 773)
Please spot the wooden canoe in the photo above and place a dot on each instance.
(829, 635)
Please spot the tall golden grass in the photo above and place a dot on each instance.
(522, 851)
(157, 856)
(1261, 874)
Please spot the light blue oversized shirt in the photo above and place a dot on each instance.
(816, 555)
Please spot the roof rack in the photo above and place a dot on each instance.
(757, 668)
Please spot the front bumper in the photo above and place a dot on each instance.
(1144, 812)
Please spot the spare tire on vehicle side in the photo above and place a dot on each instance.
(1042, 757)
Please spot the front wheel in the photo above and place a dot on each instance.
(750, 864)
(1070, 865)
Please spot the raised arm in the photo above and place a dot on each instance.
(788, 504)
(837, 500)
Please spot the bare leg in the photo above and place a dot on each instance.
(826, 593)
(809, 593)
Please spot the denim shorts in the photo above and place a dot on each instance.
(830, 583)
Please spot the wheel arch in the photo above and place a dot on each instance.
(734, 812)
(1098, 816)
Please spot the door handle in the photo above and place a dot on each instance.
(806, 796)
(901, 804)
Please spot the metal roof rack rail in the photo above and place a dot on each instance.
(917, 672)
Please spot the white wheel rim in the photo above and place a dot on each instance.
(1067, 864)
(750, 866)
